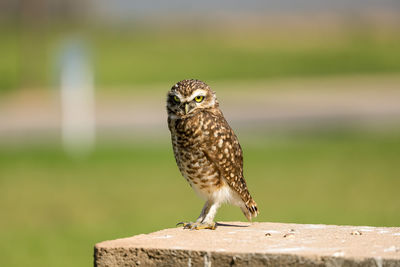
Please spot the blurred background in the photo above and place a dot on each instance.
(311, 88)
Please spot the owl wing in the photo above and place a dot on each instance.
(222, 149)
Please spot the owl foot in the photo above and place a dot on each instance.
(198, 225)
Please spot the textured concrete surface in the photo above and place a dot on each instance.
(256, 244)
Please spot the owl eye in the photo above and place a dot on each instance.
(176, 99)
(199, 98)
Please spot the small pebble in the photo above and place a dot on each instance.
(356, 233)
(268, 234)
(289, 235)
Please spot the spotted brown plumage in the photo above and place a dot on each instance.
(207, 151)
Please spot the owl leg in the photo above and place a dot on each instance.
(206, 218)
(210, 212)
(204, 211)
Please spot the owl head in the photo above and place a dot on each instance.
(188, 97)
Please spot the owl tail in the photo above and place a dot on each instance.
(250, 209)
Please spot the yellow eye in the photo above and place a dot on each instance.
(199, 98)
(176, 99)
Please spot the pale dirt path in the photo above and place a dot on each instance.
(365, 101)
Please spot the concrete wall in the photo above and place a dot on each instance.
(257, 244)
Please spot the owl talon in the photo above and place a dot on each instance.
(185, 225)
(211, 226)
(198, 226)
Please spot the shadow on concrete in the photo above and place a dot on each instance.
(230, 225)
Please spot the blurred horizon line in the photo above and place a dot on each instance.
(283, 107)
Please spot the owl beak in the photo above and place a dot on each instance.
(186, 108)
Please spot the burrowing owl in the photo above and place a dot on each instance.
(207, 151)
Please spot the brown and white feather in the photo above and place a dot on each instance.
(206, 149)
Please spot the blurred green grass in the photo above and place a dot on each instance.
(126, 57)
(55, 208)
(166, 58)
(10, 49)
